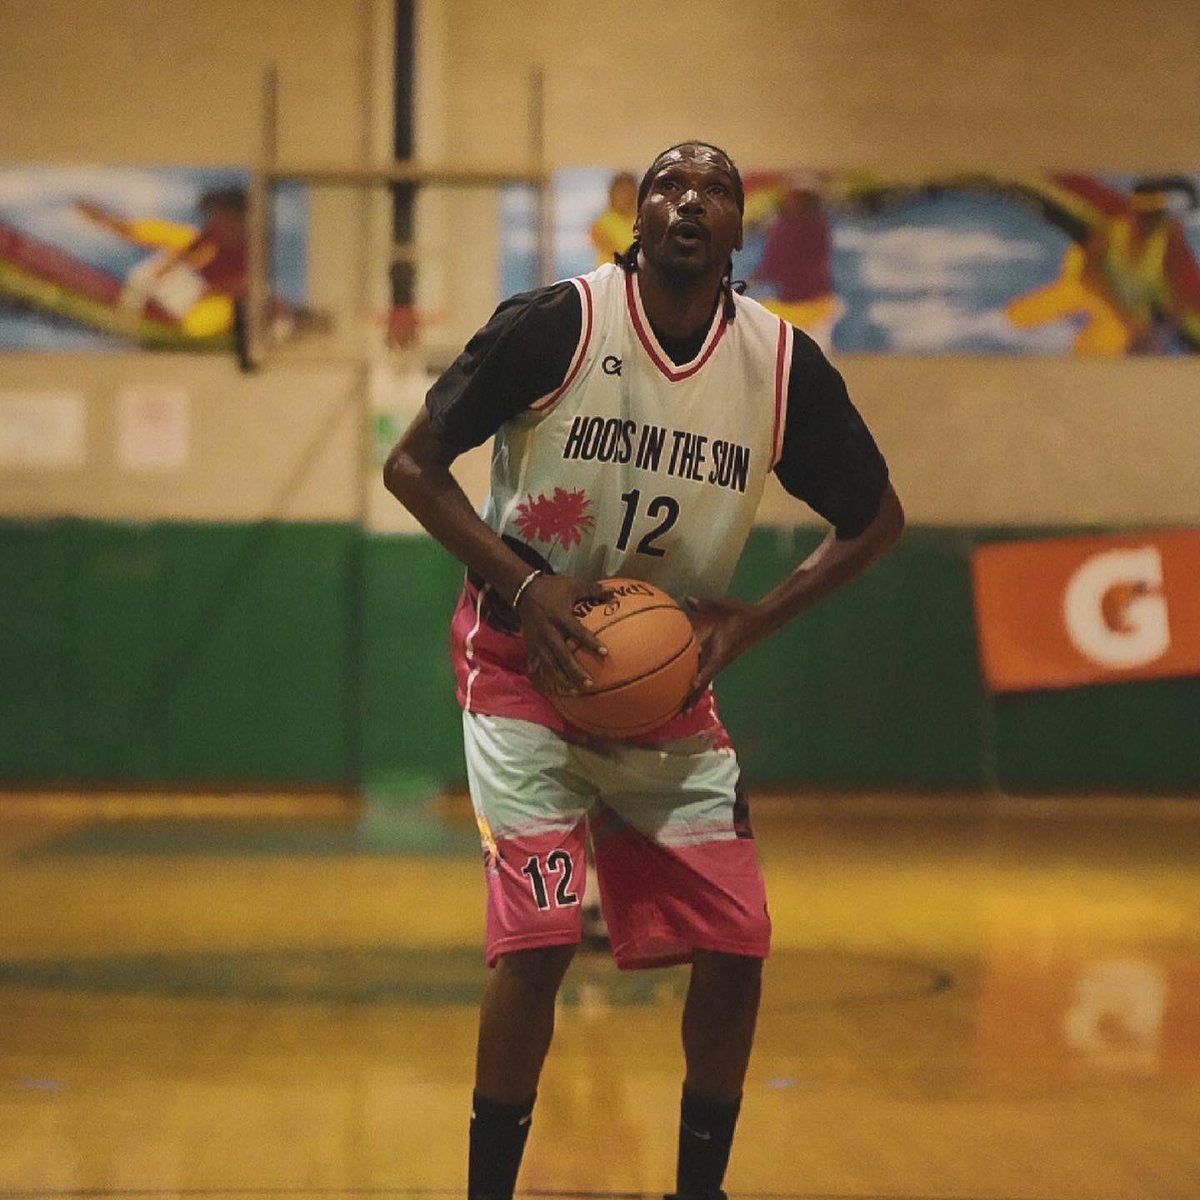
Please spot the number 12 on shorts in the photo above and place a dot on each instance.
(558, 863)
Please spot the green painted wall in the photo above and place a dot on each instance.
(410, 720)
(177, 652)
(305, 654)
(879, 687)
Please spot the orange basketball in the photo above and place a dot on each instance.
(647, 673)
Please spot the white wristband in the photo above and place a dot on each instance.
(524, 584)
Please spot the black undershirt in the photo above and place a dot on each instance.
(829, 460)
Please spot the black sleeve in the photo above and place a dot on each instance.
(519, 356)
(829, 460)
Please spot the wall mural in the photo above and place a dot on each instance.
(107, 258)
(969, 263)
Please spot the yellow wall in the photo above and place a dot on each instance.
(1094, 84)
(151, 81)
(893, 83)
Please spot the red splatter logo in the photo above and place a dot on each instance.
(560, 518)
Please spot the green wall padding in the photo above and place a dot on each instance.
(36, 639)
(295, 654)
(178, 652)
(877, 687)
(1127, 737)
(411, 723)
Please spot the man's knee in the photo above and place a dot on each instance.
(715, 969)
(538, 969)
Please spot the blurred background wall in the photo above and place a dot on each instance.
(265, 614)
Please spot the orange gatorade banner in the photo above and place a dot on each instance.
(1071, 611)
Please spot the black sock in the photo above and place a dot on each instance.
(498, 1133)
(705, 1137)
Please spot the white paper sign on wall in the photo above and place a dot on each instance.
(42, 429)
(154, 423)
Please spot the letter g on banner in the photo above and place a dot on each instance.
(1114, 608)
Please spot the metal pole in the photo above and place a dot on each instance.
(366, 150)
(537, 154)
(257, 216)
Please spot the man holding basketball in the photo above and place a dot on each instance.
(636, 413)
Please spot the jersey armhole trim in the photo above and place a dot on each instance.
(548, 401)
(783, 372)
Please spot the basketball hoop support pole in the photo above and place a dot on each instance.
(537, 154)
(258, 204)
(269, 171)
(371, 174)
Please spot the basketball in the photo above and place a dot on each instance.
(647, 673)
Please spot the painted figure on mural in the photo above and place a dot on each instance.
(195, 277)
(1130, 278)
(661, 339)
(797, 264)
(612, 231)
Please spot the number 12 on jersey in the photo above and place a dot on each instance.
(662, 509)
(558, 862)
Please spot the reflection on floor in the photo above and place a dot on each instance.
(968, 998)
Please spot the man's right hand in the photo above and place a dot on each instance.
(553, 632)
(418, 474)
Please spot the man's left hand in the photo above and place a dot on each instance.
(726, 629)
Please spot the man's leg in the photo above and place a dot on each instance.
(719, 1016)
(530, 803)
(516, 1023)
(667, 891)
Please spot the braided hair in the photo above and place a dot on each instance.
(628, 260)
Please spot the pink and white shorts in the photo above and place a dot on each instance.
(670, 829)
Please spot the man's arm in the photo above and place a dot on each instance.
(418, 474)
(831, 462)
(730, 627)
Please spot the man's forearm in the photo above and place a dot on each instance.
(430, 492)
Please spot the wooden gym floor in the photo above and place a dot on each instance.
(969, 998)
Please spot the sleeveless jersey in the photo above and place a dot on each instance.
(633, 466)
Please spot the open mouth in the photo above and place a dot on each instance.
(688, 232)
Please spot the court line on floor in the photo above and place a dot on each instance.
(382, 974)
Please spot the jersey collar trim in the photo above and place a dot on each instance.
(658, 356)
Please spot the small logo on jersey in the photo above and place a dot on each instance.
(611, 365)
(561, 518)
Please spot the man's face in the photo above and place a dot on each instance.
(689, 222)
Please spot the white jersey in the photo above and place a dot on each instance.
(637, 466)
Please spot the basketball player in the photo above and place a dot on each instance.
(636, 413)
